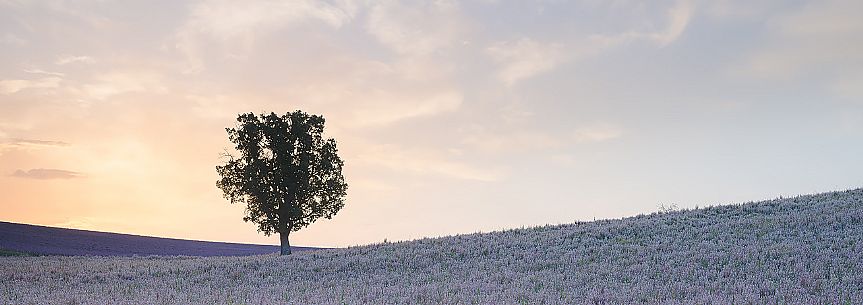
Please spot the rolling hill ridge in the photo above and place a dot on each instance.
(42, 240)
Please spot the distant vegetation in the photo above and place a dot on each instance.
(4, 252)
(802, 250)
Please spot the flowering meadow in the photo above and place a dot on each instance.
(801, 250)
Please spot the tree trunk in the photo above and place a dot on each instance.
(286, 245)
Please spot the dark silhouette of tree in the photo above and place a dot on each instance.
(287, 174)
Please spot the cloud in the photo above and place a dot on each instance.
(596, 133)
(850, 86)
(509, 142)
(230, 19)
(677, 20)
(385, 107)
(81, 223)
(424, 37)
(114, 83)
(734, 9)
(218, 106)
(235, 25)
(424, 162)
(43, 72)
(27, 144)
(37, 143)
(381, 91)
(416, 30)
(12, 40)
(525, 58)
(46, 174)
(821, 18)
(380, 105)
(16, 85)
(69, 59)
(372, 185)
(820, 37)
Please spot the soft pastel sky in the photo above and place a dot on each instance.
(452, 117)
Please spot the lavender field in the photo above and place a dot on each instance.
(802, 250)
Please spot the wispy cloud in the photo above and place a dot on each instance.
(30, 142)
(235, 25)
(523, 140)
(677, 19)
(70, 59)
(425, 162)
(228, 19)
(81, 223)
(46, 174)
(11, 86)
(525, 58)
(819, 36)
(509, 142)
(850, 86)
(596, 133)
(12, 40)
(423, 37)
(28, 145)
(380, 105)
(393, 108)
(416, 28)
(43, 72)
(119, 82)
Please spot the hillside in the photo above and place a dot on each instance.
(42, 240)
(802, 250)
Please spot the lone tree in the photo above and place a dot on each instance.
(287, 174)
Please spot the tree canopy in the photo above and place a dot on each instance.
(287, 174)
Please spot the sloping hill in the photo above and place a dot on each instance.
(42, 240)
(802, 250)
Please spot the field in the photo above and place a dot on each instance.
(801, 250)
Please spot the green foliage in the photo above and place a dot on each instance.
(286, 173)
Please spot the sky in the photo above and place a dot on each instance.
(452, 117)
